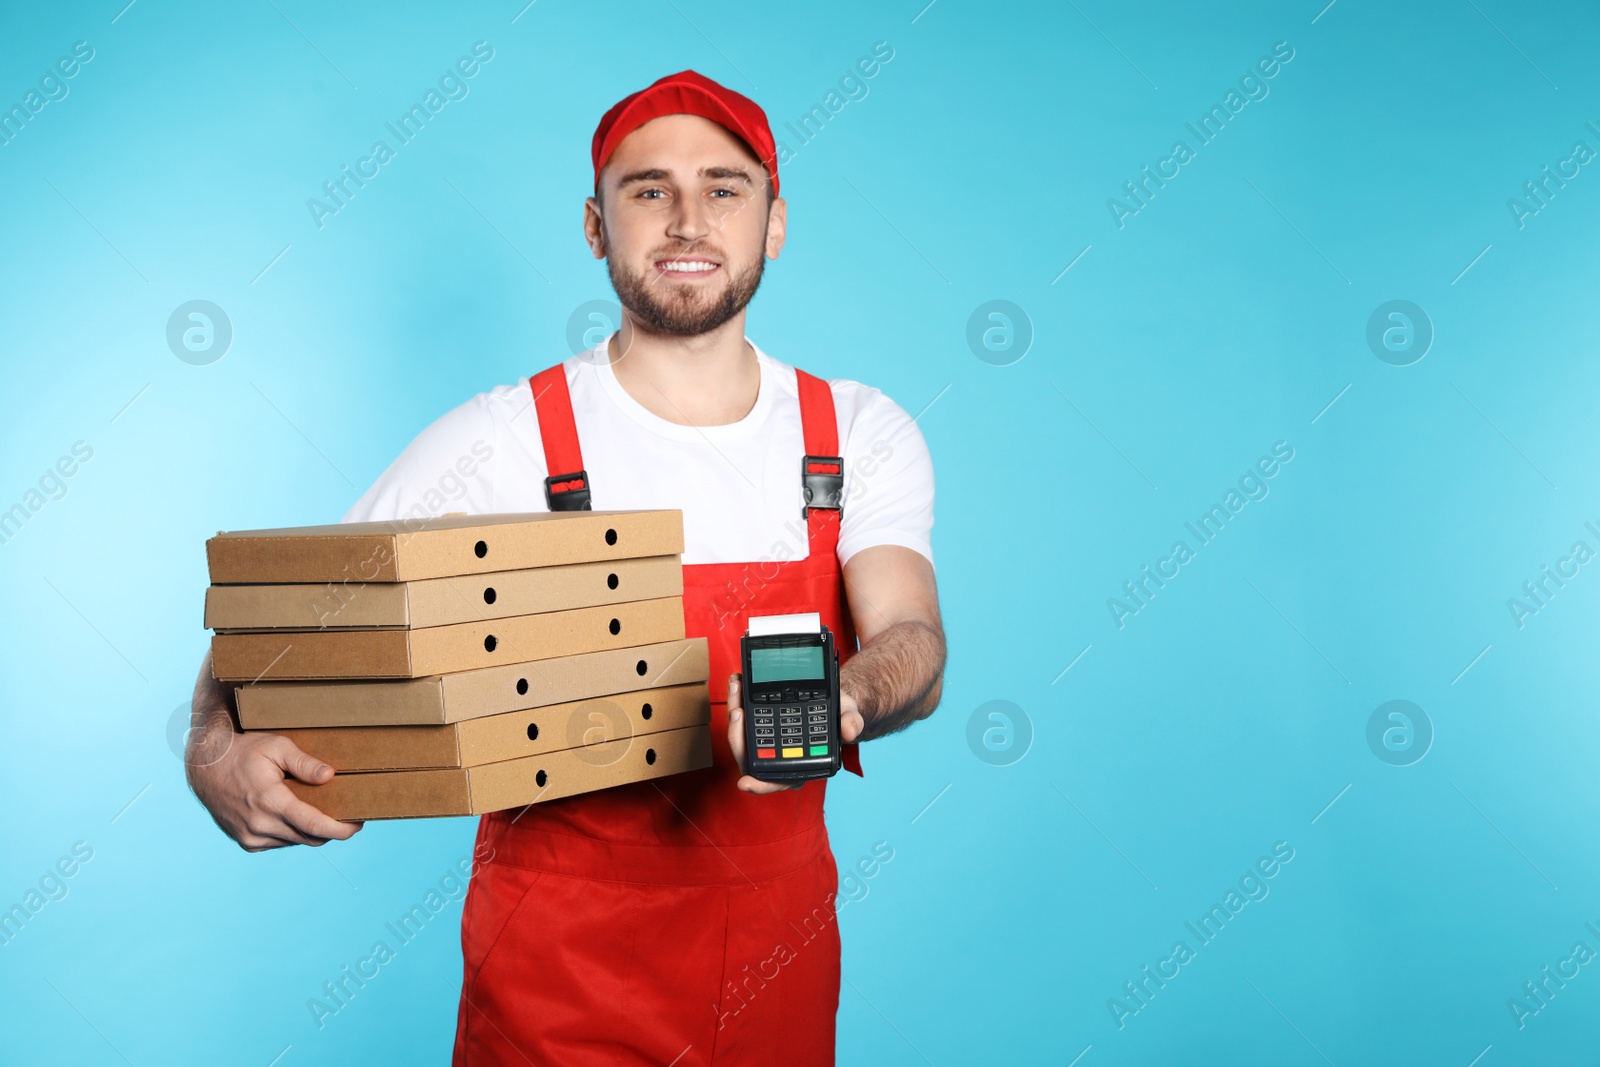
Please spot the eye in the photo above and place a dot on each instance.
(645, 193)
(730, 192)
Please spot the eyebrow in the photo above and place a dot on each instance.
(656, 174)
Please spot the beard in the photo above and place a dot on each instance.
(683, 310)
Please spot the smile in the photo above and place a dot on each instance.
(685, 266)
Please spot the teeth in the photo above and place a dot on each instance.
(690, 267)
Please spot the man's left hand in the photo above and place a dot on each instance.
(851, 723)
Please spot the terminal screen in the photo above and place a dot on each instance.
(786, 664)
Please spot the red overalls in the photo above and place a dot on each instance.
(679, 921)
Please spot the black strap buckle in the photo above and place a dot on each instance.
(823, 479)
(567, 492)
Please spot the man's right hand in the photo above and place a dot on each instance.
(239, 777)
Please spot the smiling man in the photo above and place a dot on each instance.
(690, 920)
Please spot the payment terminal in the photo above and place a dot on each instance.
(791, 698)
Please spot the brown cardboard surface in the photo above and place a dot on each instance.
(405, 550)
(470, 694)
(440, 601)
(509, 735)
(296, 654)
(509, 783)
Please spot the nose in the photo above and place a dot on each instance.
(691, 220)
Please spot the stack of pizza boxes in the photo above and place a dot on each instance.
(458, 665)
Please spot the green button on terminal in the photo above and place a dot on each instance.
(819, 750)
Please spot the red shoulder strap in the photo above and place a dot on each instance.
(817, 420)
(556, 426)
(820, 427)
(559, 431)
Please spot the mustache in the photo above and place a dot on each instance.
(667, 310)
(691, 253)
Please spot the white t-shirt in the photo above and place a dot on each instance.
(738, 485)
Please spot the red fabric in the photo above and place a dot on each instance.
(821, 434)
(820, 428)
(553, 404)
(687, 93)
(677, 921)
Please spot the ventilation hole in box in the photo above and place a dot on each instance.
(489, 643)
(646, 711)
(488, 595)
(641, 667)
(616, 626)
(649, 755)
(611, 537)
(522, 687)
(481, 549)
(533, 731)
(611, 581)
(541, 778)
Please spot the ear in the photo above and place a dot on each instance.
(777, 226)
(594, 232)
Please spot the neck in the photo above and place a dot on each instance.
(710, 379)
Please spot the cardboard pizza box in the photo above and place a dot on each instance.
(404, 550)
(451, 698)
(297, 654)
(440, 601)
(509, 735)
(510, 783)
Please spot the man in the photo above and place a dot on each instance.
(687, 920)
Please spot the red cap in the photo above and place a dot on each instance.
(687, 93)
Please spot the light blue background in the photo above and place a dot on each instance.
(1224, 317)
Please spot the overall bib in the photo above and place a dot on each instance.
(678, 921)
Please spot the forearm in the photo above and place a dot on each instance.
(211, 720)
(897, 678)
